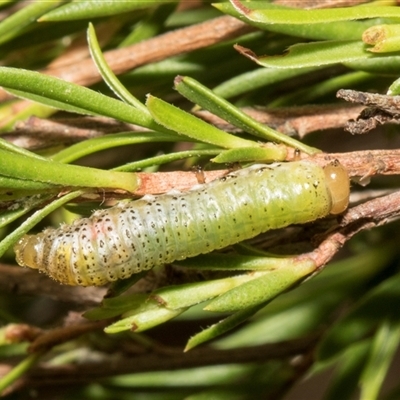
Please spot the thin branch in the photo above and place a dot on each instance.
(38, 133)
(54, 337)
(368, 215)
(171, 359)
(293, 121)
(390, 104)
(358, 163)
(381, 109)
(373, 212)
(364, 163)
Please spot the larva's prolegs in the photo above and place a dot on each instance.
(155, 230)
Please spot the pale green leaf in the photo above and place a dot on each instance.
(384, 346)
(188, 125)
(68, 96)
(89, 9)
(283, 15)
(206, 99)
(313, 54)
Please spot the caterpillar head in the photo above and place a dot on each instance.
(338, 183)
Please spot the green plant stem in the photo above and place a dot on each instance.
(16, 373)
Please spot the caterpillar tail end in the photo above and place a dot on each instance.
(26, 253)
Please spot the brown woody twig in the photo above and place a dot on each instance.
(171, 359)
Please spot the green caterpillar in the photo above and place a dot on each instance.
(155, 230)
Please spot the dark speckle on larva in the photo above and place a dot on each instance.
(155, 230)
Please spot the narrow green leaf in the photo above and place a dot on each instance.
(114, 306)
(261, 77)
(187, 295)
(222, 327)
(380, 303)
(16, 23)
(150, 25)
(19, 370)
(294, 319)
(165, 158)
(348, 371)
(377, 64)
(94, 145)
(384, 346)
(313, 54)
(143, 320)
(89, 9)
(29, 204)
(237, 262)
(205, 98)
(303, 309)
(231, 393)
(208, 376)
(5, 145)
(274, 15)
(394, 88)
(13, 184)
(325, 88)
(261, 154)
(68, 96)
(20, 166)
(262, 289)
(188, 125)
(121, 286)
(338, 30)
(108, 75)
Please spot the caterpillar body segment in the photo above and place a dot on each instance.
(155, 230)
